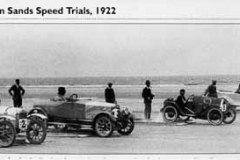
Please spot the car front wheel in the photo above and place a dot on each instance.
(127, 127)
(170, 113)
(7, 134)
(36, 132)
(230, 116)
(215, 116)
(103, 126)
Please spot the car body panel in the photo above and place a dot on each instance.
(62, 111)
(233, 98)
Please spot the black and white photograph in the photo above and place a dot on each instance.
(167, 86)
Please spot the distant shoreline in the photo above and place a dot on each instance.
(124, 80)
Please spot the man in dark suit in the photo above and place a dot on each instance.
(17, 91)
(109, 94)
(147, 96)
(211, 91)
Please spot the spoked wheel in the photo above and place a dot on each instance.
(7, 134)
(36, 132)
(127, 128)
(103, 126)
(230, 116)
(215, 116)
(170, 114)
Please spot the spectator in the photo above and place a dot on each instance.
(211, 91)
(147, 96)
(17, 91)
(238, 90)
(109, 94)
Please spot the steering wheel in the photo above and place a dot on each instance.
(73, 97)
(190, 97)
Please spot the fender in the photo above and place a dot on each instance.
(37, 115)
(107, 114)
(7, 117)
(37, 111)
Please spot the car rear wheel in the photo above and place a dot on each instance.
(127, 128)
(230, 116)
(103, 126)
(36, 132)
(7, 134)
(170, 113)
(215, 116)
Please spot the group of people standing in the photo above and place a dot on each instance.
(17, 91)
(147, 96)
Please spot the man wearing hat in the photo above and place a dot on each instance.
(61, 94)
(109, 94)
(211, 91)
(147, 96)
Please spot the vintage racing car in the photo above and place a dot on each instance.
(16, 120)
(102, 117)
(215, 110)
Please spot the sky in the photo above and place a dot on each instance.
(77, 50)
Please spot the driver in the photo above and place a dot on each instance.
(61, 94)
(181, 100)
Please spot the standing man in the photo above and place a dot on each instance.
(17, 91)
(238, 90)
(211, 91)
(109, 94)
(147, 96)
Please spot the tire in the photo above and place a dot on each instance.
(170, 113)
(7, 134)
(103, 126)
(36, 132)
(128, 128)
(215, 116)
(230, 116)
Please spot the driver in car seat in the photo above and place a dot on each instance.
(181, 101)
(61, 94)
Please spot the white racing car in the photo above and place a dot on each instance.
(16, 120)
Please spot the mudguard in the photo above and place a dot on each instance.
(39, 111)
(7, 117)
(107, 114)
(37, 115)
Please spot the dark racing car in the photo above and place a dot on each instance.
(215, 110)
(103, 118)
